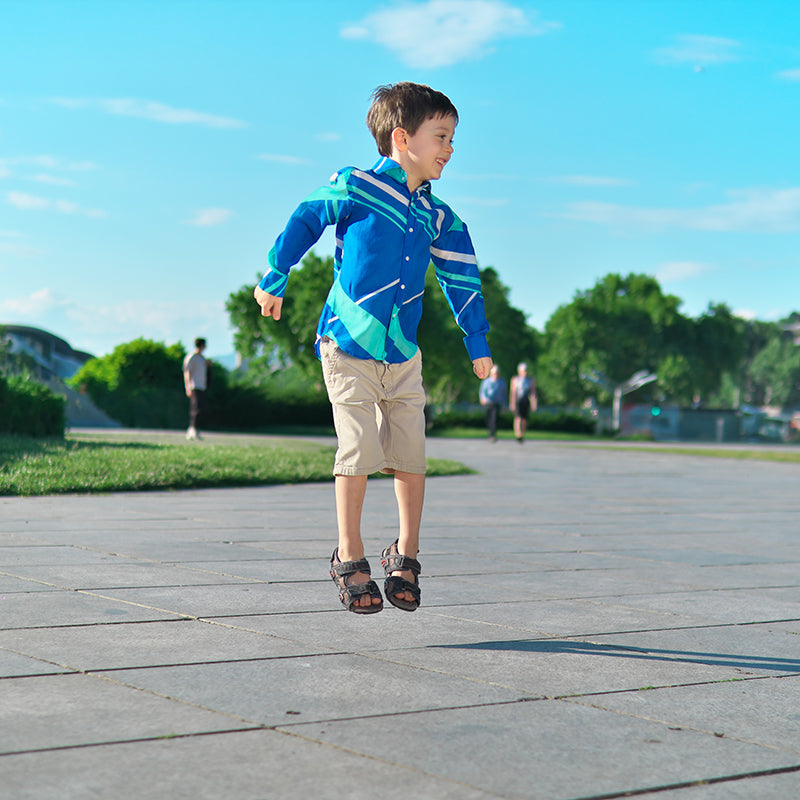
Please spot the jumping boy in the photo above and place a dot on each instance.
(388, 229)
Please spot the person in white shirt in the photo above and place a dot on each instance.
(195, 377)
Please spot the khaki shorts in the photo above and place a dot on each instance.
(378, 412)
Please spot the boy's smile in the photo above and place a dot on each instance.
(423, 156)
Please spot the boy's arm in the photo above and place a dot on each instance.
(457, 272)
(324, 207)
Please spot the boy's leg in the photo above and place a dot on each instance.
(409, 489)
(350, 491)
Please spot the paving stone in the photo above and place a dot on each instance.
(15, 664)
(257, 765)
(541, 749)
(70, 710)
(313, 688)
(49, 609)
(765, 712)
(104, 647)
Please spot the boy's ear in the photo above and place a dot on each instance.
(400, 139)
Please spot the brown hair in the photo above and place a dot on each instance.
(404, 105)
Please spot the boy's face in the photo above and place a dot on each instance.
(424, 154)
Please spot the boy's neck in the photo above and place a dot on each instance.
(404, 161)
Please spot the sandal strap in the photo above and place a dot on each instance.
(349, 596)
(394, 584)
(392, 562)
(341, 569)
(357, 589)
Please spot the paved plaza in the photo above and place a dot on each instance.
(597, 622)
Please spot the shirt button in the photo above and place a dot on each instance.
(408, 258)
(411, 230)
(402, 286)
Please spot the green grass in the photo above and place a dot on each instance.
(113, 463)
(755, 454)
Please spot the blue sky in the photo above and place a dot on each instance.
(151, 151)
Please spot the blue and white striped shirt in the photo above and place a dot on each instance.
(386, 238)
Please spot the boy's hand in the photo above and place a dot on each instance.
(482, 367)
(270, 305)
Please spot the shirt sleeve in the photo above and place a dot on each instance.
(457, 272)
(324, 207)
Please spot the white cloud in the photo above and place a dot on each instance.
(682, 270)
(747, 210)
(443, 32)
(38, 302)
(52, 180)
(328, 136)
(699, 50)
(745, 313)
(4, 172)
(99, 326)
(282, 159)
(790, 75)
(30, 202)
(207, 217)
(591, 180)
(48, 162)
(150, 110)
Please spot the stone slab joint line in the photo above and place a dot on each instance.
(667, 787)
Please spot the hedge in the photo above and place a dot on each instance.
(29, 408)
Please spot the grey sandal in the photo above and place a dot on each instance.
(349, 594)
(394, 584)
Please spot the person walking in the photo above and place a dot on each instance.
(492, 396)
(522, 400)
(195, 378)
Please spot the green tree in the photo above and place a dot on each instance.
(618, 327)
(776, 369)
(717, 348)
(292, 338)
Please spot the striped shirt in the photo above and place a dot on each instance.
(386, 238)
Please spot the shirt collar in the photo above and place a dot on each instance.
(387, 166)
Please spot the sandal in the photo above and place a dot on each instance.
(392, 562)
(349, 594)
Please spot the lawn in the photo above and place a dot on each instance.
(98, 462)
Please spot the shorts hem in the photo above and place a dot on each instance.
(414, 469)
(350, 471)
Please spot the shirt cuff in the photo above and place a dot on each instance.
(274, 283)
(477, 346)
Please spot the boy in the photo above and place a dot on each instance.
(388, 228)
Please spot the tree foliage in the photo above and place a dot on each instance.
(626, 324)
(775, 370)
(292, 337)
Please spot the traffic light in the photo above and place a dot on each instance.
(655, 411)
